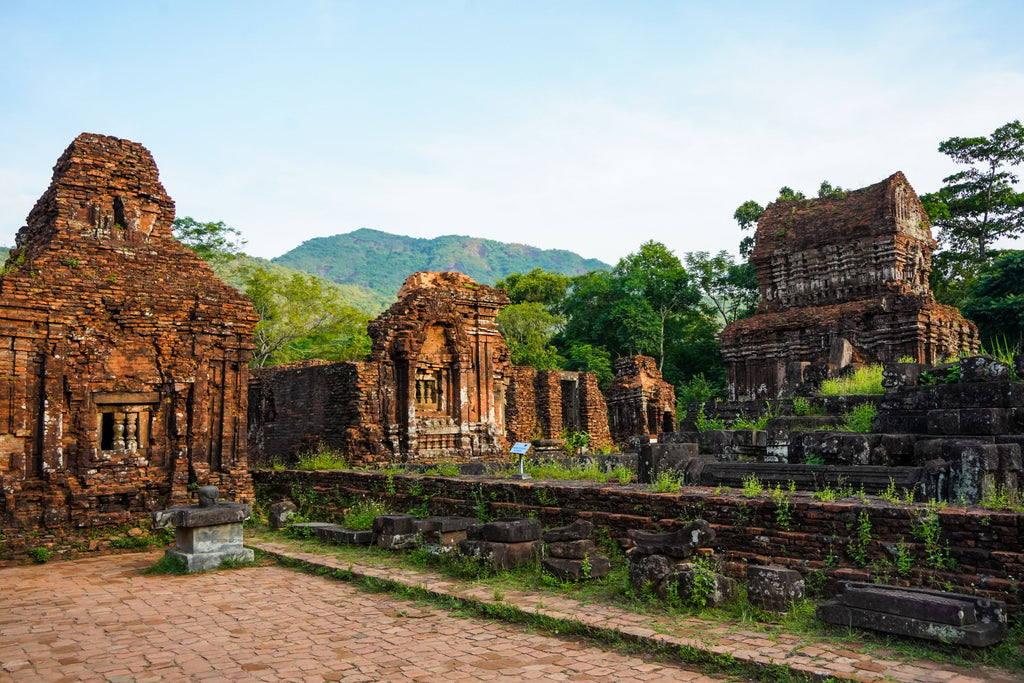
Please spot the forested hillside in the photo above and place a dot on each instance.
(380, 261)
(234, 272)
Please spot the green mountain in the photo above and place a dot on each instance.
(380, 261)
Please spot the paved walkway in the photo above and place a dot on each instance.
(99, 619)
(819, 660)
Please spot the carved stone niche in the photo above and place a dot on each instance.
(123, 422)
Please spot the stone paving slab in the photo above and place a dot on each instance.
(99, 619)
(819, 660)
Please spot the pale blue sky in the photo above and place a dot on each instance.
(590, 126)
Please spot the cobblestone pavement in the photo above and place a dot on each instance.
(831, 659)
(99, 619)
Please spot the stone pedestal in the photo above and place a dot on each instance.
(206, 534)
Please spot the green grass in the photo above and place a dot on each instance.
(589, 471)
(167, 564)
(443, 469)
(866, 380)
(322, 458)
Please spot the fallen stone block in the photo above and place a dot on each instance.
(509, 531)
(394, 525)
(578, 530)
(336, 533)
(774, 588)
(572, 550)
(501, 555)
(983, 369)
(682, 583)
(679, 545)
(565, 569)
(446, 531)
(279, 513)
(916, 613)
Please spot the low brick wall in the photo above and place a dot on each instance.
(987, 547)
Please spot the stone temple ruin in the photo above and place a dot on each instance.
(843, 280)
(640, 401)
(123, 359)
(438, 385)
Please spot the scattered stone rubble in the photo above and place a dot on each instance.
(657, 564)
(572, 555)
(504, 544)
(930, 615)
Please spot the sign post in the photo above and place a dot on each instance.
(520, 448)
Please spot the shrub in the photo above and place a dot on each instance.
(360, 516)
(859, 418)
(752, 486)
(705, 424)
(667, 482)
(40, 554)
(866, 380)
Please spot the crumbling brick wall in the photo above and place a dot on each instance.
(849, 269)
(986, 546)
(123, 359)
(639, 400)
(521, 405)
(545, 403)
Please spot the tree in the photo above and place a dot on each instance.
(537, 286)
(730, 287)
(747, 215)
(595, 359)
(979, 205)
(826, 189)
(214, 242)
(654, 277)
(996, 302)
(302, 317)
(749, 212)
(528, 329)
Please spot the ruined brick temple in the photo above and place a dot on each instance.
(639, 400)
(123, 359)
(434, 385)
(438, 385)
(843, 279)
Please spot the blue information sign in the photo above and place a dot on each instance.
(520, 448)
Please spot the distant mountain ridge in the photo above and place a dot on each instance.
(380, 261)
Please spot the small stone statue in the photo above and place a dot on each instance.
(208, 496)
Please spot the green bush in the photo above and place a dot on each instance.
(360, 516)
(859, 418)
(40, 554)
(667, 482)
